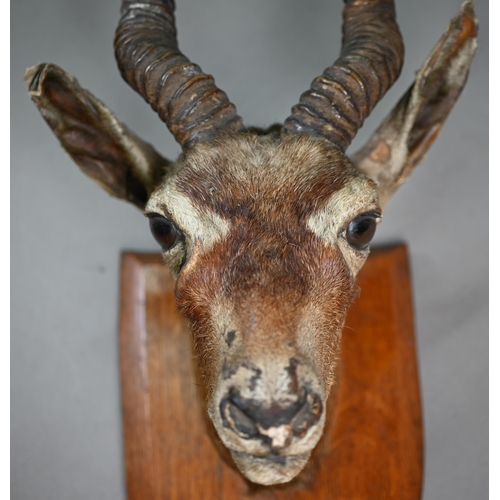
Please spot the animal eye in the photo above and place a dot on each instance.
(163, 230)
(360, 230)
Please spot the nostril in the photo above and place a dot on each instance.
(245, 405)
(234, 418)
(308, 415)
(275, 424)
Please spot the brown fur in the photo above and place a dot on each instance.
(270, 267)
(266, 280)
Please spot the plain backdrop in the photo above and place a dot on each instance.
(67, 234)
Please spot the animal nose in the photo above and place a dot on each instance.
(274, 424)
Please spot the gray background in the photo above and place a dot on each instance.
(67, 234)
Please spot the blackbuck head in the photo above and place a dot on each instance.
(264, 230)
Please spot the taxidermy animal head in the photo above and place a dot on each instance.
(264, 230)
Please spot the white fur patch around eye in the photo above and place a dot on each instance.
(197, 224)
(359, 196)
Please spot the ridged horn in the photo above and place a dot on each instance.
(371, 58)
(185, 98)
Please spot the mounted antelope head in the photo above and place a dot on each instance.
(264, 230)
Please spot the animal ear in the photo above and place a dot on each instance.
(402, 140)
(104, 149)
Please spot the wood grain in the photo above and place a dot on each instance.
(372, 447)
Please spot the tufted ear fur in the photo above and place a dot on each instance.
(404, 137)
(104, 149)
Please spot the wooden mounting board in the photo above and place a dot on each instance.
(372, 446)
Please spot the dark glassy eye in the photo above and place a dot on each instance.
(360, 230)
(163, 231)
